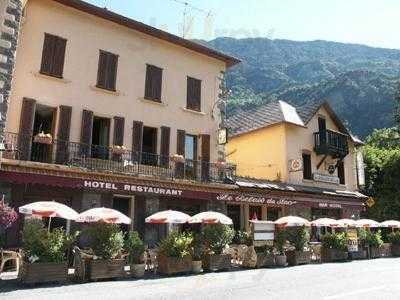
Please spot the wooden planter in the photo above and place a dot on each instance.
(295, 258)
(386, 250)
(374, 252)
(174, 265)
(44, 272)
(280, 260)
(105, 269)
(265, 260)
(137, 270)
(395, 250)
(330, 255)
(197, 266)
(216, 262)
(360, 254)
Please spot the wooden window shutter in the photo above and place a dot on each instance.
(153, 84)
(180, 149)
(107, 70)
(102, 70)
(137, 139)
(193, 94)
(119, 126)
(59, 57)
(341, 172)
(64, 127)
(307, 171)
(53, 55)
(164, 148)
(26, 128)
(205, 156)
(86, 132)
(47, 54)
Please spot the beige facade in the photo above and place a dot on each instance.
(86, 35)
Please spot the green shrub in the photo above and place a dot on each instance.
(197, 247)
(106, 240)
(394, 238)
(280, 241)
(374, 239)
(336, 241)
(217, 236)
(43, 246)
(242, 238)
(135, 247)
(298, 237)
(362, 235)
(176, 244)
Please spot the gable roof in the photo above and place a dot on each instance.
(149, 30)
(247, 120)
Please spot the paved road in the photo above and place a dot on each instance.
(372, 279)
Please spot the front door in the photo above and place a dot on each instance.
(122, 204)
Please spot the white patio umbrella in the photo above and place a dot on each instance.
(390, 224)
(326, 222)
(348, 223)
(368, 223)
(103, 214)
(168, 217)
(211, 217)
(292, 221)
(49, 209)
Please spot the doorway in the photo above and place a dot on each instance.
(44, 121)
(255, 212)
(273, 213)
(191, 156)
(100, 137)
(149, 146)
(233, 212)
(122, 204)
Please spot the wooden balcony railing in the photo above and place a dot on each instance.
(332, 143)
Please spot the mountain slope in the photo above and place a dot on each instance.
(357, 80)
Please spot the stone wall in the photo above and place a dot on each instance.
(10, 17)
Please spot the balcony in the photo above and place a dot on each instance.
(331, 143)
(107, 160)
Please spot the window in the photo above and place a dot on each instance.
(153, 85)
(53, 55)
(191, 156)
(193, 94)
(100, 137)
(149, 146)
(107, 71)
(307, 174)
(341, 173)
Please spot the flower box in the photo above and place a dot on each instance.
(178, 158)
(105, 269)
(280, 260)
(44, 272)
(386, 250)
(395, 250)
(295, 258)
(137, 270)
(221, 165)
(360, 254)
(43, 138)
(331, 255)
(216, 262)
(265, 260)
(119, 150)
(374, 252)
(174, 265)
(197, 266)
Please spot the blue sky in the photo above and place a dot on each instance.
(371, 22)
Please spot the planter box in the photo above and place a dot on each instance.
(137, 271)
(197, 266)
(361, 254)
(374, 252)
(280, 260)
(395, 250)
(44, 272)
(217, 262)
(265, 260)
(295, 258)
(105, 269)
(330, 255)
(174, 265)
(386, 250)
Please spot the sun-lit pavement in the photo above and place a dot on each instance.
(370, 279)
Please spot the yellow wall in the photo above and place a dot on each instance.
(260, 154)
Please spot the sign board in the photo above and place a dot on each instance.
(360, 169)
(370, 202)
(263, 230)
(326, 178)
(255, 199)
(329, 205)
(352, 240)
(222, 136)
(295, 165)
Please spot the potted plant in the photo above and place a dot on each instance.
(280, 241)
(104, 258)
(216, 237)
(174, 253)
(334, 247)
(394, 239)
(242, 238)
(374, 242)
(43, 138)
(265, 256)
(118, 150)
(298, 237)
(7, 217)
(135, 248)
(177, 158)
(45, 253)
(197, 254)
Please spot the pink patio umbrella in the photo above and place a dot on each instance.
(49, 209)
(390, 224)
(168, 217)
(292, 221)
(326, 222)
(348, 223)
(368, 223)
(103, 214)
(211, 217)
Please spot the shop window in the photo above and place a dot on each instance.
(191, 156)
(100, 137)
(341, 172)
(44, 121)
(255, 212)
(307, 173)
(233, 212)
(149, 146)
(273, 213)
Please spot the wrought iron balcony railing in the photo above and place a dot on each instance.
(111, 160)
(332, 143)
